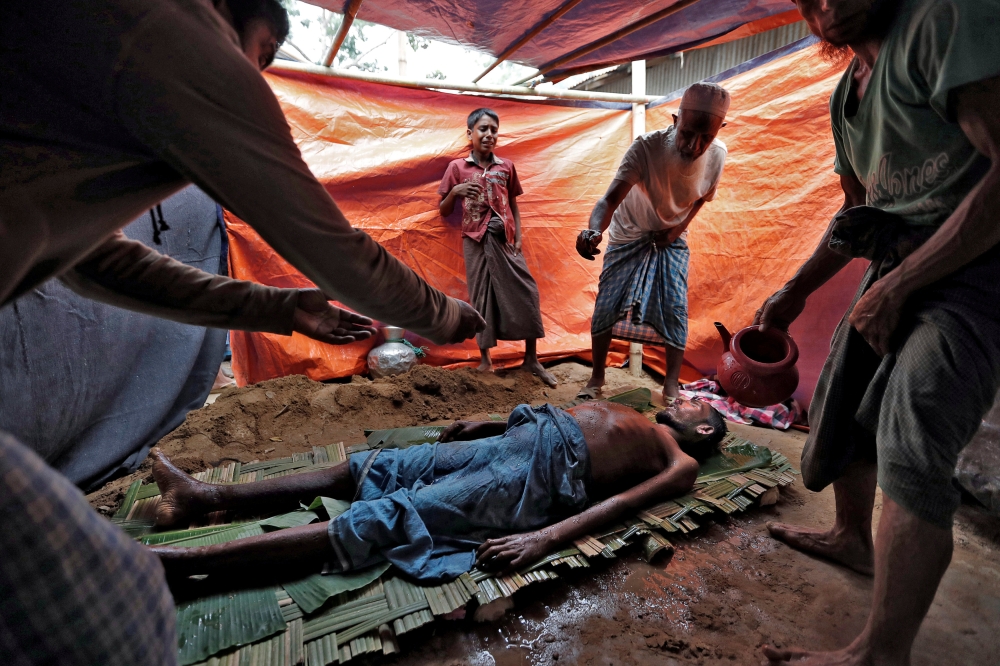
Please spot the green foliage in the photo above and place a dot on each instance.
(313, 591)
(211, 624)
(437, 74)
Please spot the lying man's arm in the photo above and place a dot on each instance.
(972, 229)
(129, 274)
(464, 431)
(520, 550)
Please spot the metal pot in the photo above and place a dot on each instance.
(392, 357)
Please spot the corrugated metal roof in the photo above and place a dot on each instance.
(665, 75)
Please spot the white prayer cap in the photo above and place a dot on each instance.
(708, 97)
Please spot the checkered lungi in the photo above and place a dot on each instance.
(914, 410)
(74, 589)
(642, 295)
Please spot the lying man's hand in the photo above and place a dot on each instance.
(514, 552)
(318, 319)
(460, 431)
(587, 242)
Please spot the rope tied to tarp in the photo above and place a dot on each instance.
(158, 224)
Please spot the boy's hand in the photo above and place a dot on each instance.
(514, 552)
(461, 431)
(587, 243)
(468, 190)
(517, 245)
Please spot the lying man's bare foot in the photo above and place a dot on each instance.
(178, 491)
(536, 368)
(852, 550)
(849, 656)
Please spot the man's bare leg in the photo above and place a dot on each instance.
(485, 362)
(307, 547)
(599, 346)
(911, 556)
(849, 541)
(675, 359)
(184, 497)
(532, 364)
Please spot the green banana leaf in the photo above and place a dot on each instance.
(211, 624)
(313, 591)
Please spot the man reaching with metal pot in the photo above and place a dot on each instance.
(663, 181)
(917, 141)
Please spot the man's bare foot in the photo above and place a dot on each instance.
(849, 656)
(536, 368)
(852, 550)
(178, 492)
(670, 394)
(486, 365)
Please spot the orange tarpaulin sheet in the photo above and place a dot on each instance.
(381, 151)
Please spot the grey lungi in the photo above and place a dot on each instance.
(914, 410)
(501, 289)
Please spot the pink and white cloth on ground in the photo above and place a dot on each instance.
(779, 416)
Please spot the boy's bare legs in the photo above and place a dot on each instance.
(675, 359)
(599, 346)
(184, 497)
(486, 363)
(849, 541)
(911, 556)
(533, 365)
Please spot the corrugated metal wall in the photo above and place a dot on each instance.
(672, 73)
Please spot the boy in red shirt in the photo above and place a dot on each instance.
(500, 285)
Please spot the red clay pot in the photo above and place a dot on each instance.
(758, 367)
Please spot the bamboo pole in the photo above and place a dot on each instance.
(613, 37)
(345, 27)
(512, 91)
(568, 5)
(638, 127)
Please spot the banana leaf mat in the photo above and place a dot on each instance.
(327, 619)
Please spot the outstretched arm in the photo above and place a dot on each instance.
(782, 308)
(131, 275)
(519, 550)
(600, 218)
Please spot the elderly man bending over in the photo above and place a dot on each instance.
(434, 510)
(663, 181)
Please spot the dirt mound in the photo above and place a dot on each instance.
(282, 416)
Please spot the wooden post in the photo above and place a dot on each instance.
(506, 91)
(401, 58)
(345, 27)
(638, 127)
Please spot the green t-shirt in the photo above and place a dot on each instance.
(903, 143)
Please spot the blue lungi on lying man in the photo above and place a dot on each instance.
(427, 508)
(642, 295)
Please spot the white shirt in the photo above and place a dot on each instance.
(665, 185)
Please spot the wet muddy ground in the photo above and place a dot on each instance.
(723, 595)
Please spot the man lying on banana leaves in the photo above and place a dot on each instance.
(496, 495)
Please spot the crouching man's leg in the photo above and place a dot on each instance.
(184, 497)
(74, 589)
(918, 446)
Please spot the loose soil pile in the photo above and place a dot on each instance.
(279, 417)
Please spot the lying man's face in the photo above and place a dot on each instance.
(693, 422)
